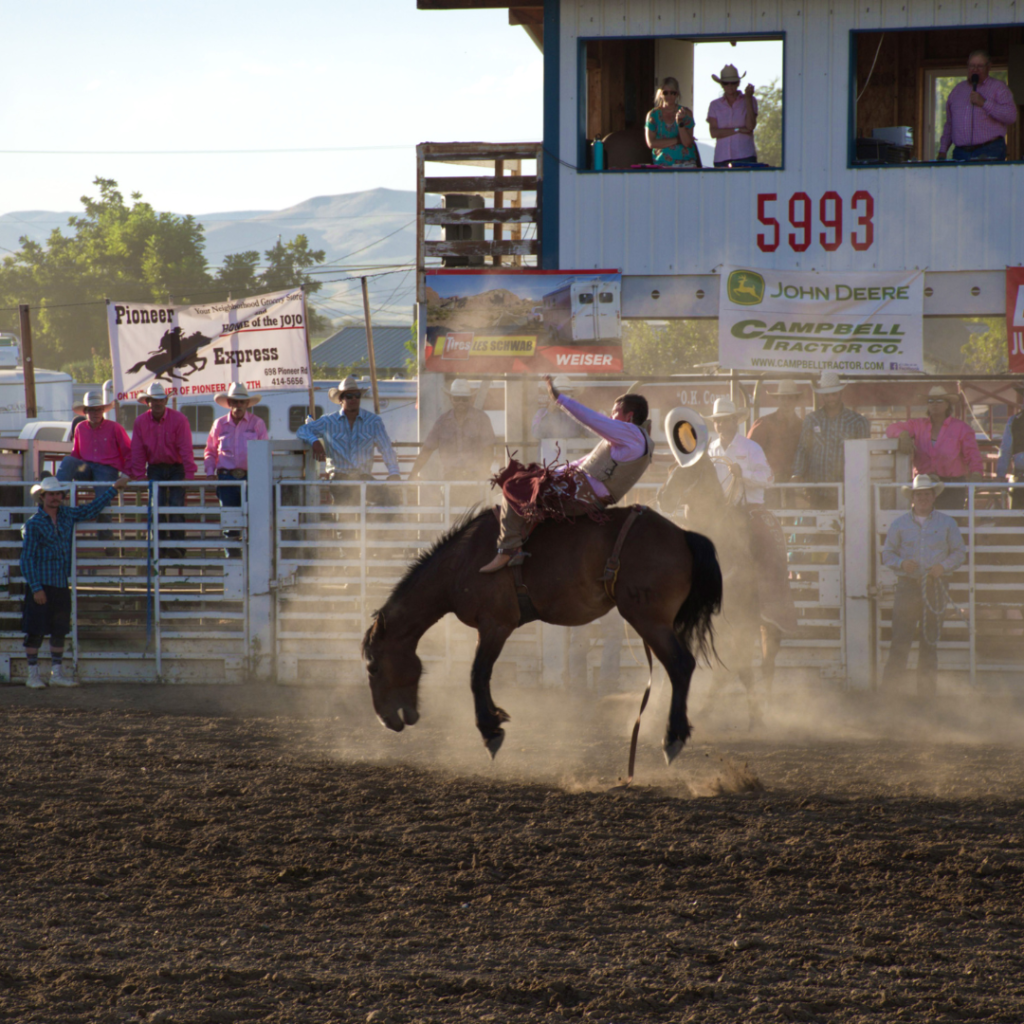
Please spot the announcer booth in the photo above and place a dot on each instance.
(855, 183)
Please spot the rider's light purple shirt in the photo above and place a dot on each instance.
(627, 440)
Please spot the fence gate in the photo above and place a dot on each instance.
(156, 601)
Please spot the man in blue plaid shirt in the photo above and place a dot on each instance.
(348, 437)
(46, 566)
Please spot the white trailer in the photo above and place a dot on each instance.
(584, 311)
(53, 398)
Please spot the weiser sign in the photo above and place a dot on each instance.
(1015, 318)
(199, 350)
(802, 321)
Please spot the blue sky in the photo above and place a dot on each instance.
(228, 76)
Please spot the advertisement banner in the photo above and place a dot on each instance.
(802, 321)
(1015, 318)
(199, 350)
(526, 321)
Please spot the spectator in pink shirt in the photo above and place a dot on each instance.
(979, 111)
(226, 452)
(942, 446)
(162, 450)
(732, 119)
(101, 447)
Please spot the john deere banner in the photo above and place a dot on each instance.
(201, 349)
(527, 321)
(803, 321)
(1015, 318)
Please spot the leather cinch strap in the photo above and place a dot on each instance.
(612, 566)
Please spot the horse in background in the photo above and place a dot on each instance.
(668, 588)
(698, 489)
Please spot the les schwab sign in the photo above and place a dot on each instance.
(523, 321)
(201, 349)
(797, 320)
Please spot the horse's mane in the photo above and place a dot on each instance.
(450, 536)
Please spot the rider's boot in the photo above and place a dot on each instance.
(507, 556)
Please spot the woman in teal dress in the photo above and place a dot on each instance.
(669, 128)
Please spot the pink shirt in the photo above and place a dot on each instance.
(954, 453)
(628, 441)
(107, 444)
(166, 441)
(227, 445)
(739, 146)
(968, 125)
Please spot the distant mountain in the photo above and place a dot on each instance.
(369, 229)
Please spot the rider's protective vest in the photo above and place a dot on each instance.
(618, 477)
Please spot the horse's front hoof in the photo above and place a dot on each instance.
(493, 743)
(673, 748)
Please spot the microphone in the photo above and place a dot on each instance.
(974, 83)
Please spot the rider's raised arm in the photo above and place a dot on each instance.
(627, 440)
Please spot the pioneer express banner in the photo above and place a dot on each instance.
(865, 323)
(533, 321)
(200, 349)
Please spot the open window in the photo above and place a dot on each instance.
(900, 82)
(621, 76)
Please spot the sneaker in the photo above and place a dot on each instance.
(35, 679)
(60, 676)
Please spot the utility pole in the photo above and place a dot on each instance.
(369, 347)
(28, 366)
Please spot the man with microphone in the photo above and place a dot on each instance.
(978, 113)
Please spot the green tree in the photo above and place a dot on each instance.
(986, 351)
(768, 132)
(668, 346)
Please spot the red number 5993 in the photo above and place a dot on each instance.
(830, 217)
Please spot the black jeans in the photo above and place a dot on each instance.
(912, 620)
(173, 497)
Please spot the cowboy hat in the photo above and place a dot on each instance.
(924, 482)
(785, 387)
(939, 392)
(687, 435)
(460, 389)
(563, 383)
(236, 392)
(91, 400)
(724, 407)
(729, 74)
(154, 391)
(828, 384)
(50, 485)
(350, 383)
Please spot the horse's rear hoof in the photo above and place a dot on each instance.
(493, 743)
(672, 749)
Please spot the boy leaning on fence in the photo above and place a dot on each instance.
(46, 566)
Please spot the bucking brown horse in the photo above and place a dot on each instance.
(668, 588)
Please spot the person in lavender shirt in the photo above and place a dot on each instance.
(979, 111)
(732, 119)
(531, 494)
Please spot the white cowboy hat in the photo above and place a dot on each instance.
(236, 392)
(924, 482)
(155, 390)
(91, 400)
(50, 485)
(563, 383)
(939, 392)
(729, 74)
(829, 383)
(350, 383)
(460, 389)
(723, 407)
(785, 387)
(687, 435)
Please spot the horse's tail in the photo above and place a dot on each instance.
(693, 620)
(136, 367)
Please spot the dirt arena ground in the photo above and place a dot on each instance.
(191, 854)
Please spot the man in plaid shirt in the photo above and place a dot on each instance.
(46, 566)
(820, 454)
